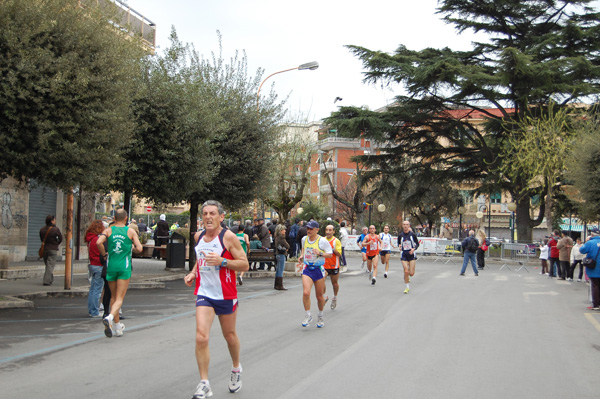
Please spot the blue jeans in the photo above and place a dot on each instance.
(95, 289)
(469, 256)
(280, 266)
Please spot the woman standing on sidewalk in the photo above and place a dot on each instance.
(281, 248)
(94, 267)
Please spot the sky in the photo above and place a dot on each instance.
(278, 35)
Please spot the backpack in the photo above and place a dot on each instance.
(473, 245)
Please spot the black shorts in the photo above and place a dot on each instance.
(384, 253)
(332, 272)
(371, 257)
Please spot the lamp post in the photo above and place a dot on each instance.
(311, 66)
(461, 211)
(512, 207)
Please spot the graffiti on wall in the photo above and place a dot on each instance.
(7, 217)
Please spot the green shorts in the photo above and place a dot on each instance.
(114, 275)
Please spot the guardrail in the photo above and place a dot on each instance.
(516, 253)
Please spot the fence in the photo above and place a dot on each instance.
(516, 254)
(446, 250)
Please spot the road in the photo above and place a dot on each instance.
(502, 334)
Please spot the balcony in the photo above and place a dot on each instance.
(328, 165)
(325, 189)
(330, 143)
(127, 20)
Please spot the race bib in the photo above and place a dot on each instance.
(406, 245)
(385, 245)
(310, 256)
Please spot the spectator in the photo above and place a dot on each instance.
(51, 238)
(255, 244)
(302, 232)
(481, 238)
(293, 234)
(161, 235)
(564, 246)
(554, 254)
(281, 248)
(446, 232)
(576, 257)
(94, 268)
(265, 238)
(142, 226)
(174, 226)
(133, 225)
(248, 228)
(344, 241)
(544, 252)
(470, 246)
(236, 227)
(272, 229)
(591, 249)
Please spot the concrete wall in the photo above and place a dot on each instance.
(14, 203)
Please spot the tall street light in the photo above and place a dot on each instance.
(311, 66)
(479, 215)
(512, 207)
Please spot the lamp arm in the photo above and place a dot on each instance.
(265, 79)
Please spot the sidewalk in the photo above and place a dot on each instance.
(22, 281)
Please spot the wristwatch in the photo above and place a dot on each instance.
(224, 263)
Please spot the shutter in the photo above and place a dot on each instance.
(42, 202)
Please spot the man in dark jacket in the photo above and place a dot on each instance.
(161, 235)
(302, 232)
(469, 246)
(51, 236)
(265, 238)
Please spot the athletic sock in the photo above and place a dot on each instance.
(407, 286)
(236, 369)
(320, 314)
(308, 313)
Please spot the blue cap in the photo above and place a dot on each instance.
(312, 225)
(595, 230)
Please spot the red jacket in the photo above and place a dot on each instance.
(553, 250)
(93, 252)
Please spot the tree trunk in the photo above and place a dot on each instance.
(524, 221)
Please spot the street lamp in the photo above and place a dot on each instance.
(311, 66)
(299, 210)
(512, 207)
(461, 211)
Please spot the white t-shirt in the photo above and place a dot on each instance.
(344, 234)
(386, 241)
(544, 252)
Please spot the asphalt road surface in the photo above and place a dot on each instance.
(500, 335)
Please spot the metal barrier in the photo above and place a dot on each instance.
(516, 253)
(445, 250)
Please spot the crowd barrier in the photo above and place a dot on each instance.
(517, 254)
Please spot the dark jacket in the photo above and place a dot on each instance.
(465, 244)
(264, 236)
(54, 238)
(302, 232)
(162, 229)
(280, 242)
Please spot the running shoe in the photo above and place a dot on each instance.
(385, 275)
(362, 266)
(306, 321)
(593, 308)
(406, 291)
(235, 381)
(320, 322)
(333, 303)
(202, 391)
(373, 281)
(101, 308)
(119, 327)
(240, 281)
(108, 325)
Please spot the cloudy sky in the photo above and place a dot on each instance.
(278, 35)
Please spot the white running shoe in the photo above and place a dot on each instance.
(333, 303)
(385, 275)
(202, 391)
(306, 321)
(320, 322)
(373, 280)
(235, 381)
(119, 327)
(108, 325)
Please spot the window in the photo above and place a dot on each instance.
(496, 198)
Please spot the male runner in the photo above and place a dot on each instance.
(332, 265)
(118, 272)
(408, 244)
(245, 243)
(363, 250)
(386, 248)
(315, 249)
(219, 255)
(372, 244)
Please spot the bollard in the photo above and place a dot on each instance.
(4, 258)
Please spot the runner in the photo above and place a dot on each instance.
(118, 272)
(219, 255)
(332, 265)
(386, 248)
(363, 249)
(372, 244)
(314, 250)
(408, 244)
(245, 243)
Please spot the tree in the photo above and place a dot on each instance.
(65, 90)
(534, 51)
(289, 172)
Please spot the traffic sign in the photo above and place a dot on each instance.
(148, 209)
